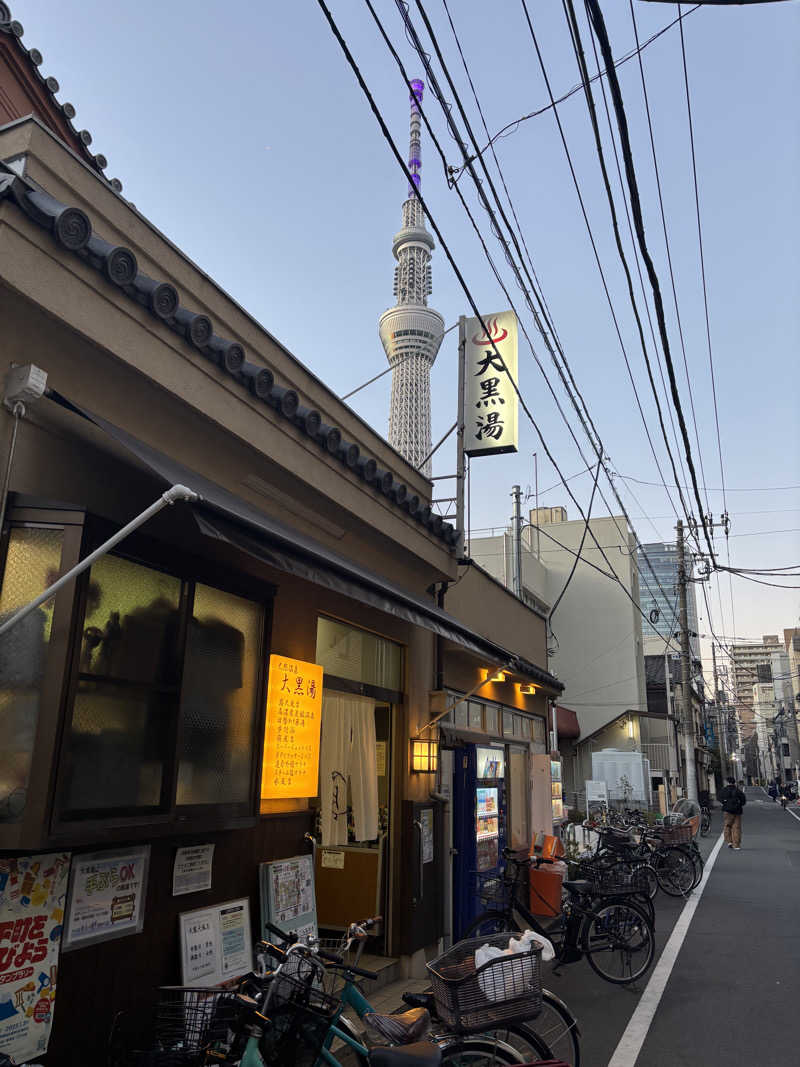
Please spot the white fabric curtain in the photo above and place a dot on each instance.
(348, 754)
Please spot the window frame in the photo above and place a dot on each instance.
(190, 570)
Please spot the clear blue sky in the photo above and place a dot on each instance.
(240, 132)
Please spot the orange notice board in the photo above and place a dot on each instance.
(291, 736)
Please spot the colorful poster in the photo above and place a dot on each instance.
(216, 943)
(107, 893)
(192, 869)
(291, 736)
(33, 891)
(292, 889)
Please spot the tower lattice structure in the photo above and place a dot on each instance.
(411, 332)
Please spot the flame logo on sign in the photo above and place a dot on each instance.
(495, 335)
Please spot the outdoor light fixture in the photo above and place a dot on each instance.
(495, 676)
(527, 690)
(630, 727)
(424, 755)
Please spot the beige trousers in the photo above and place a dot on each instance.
(732, 828)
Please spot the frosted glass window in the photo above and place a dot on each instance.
(526, 729)
(491, 720)
(475, 716)
(539, 730)
(125, 706)
(32, 563)
(349, 652)
(508, 724)
(218, 698)
(462, 715)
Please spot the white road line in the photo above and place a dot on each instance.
(630, 1044)
(793, 814)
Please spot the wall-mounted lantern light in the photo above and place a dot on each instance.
(424, 755)
(495, 676)
(527, 690)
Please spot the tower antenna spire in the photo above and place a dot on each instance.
(411, 332)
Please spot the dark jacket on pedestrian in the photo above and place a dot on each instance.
(732, 800)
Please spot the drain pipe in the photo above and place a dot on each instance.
(175, 493)
(447, 846)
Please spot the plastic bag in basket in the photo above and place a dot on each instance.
(505, 983)
(528, 938)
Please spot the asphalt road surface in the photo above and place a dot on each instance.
(728, 992)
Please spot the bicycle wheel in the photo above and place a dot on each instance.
(675, 871)
(491, 922)
(705, 822)
(522, 1038)
(478, 1051)
(618, 942)
(557, 1027)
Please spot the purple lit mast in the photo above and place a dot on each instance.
(411, 332)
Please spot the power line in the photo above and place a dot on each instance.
(445, 248)
(702, 261)
(594, 441)
(569, 12)
(580, 549)
(513, 126)
(455, 133)
(738, 489)
(599, 27)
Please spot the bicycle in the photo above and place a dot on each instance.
(705, 820)
(512, 1043)
(597, 929)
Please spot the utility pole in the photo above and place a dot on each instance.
(686, 681)
(460, 461)
(516, 493)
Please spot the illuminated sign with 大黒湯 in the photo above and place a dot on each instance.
(292, 732)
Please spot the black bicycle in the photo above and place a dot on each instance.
(614, 934)
(705, 820)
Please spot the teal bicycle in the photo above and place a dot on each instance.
(509, 1043)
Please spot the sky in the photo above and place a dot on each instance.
(242, 134)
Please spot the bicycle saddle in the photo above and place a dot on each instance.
(422, 1054)
(402, 1029)
(577, 885)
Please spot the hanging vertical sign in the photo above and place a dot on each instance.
(33, 891)
(490, 398)
(291, 738)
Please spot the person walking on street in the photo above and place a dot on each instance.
(733, 801)
(773, 792)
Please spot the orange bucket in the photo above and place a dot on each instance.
(545, 890)
(552, 847)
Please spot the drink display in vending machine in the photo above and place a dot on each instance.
(556, 790)
(479, 830)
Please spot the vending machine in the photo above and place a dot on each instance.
(479, 825)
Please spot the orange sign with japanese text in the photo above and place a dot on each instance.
(291, 737)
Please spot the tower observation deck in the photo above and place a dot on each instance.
(411, 332)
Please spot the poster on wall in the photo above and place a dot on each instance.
(215, 943)
(33, 891)
(192, 869)
(107, 893)
(287, 895)
(291, 736)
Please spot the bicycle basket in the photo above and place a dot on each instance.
(470, 999)
(616, 880)
(493, 890)
(300, 1017)
(187, 1023)
(676, 835)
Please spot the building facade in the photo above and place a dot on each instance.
(658, 586)
(751, 664)
(143, 705)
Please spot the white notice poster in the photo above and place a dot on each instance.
(215, 943)
(107, 892)
(426, 819)
(192, 869)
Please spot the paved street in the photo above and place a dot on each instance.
(732, 996)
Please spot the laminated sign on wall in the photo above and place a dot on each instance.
(490, 399)
(33, 891)
(291, 737)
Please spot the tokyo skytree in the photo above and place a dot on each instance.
(411, 332)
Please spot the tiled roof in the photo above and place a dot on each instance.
(72, 229)
(82, 139)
